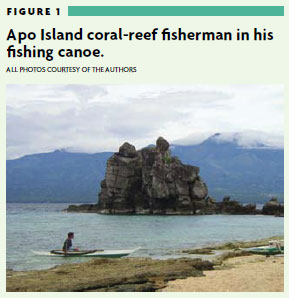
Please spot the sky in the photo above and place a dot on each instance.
(97, 118)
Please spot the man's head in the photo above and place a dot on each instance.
(70, 235)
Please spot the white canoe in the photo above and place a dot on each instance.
(97, 253)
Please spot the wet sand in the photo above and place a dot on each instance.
(253, 273)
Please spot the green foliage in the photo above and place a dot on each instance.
(167, 158)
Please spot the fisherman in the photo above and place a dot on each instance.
(67, 246)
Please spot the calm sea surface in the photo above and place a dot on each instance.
(44, 227)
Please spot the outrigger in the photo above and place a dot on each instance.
(274, 248)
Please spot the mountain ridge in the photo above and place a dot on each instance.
(247, 174)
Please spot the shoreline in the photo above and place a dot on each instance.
(136, 274)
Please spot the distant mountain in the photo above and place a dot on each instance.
(247, 174)
(58, 176)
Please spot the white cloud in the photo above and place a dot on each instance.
(246, 138)
(93, 118)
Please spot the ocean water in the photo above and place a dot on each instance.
(43, 227)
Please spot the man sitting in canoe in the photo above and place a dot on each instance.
(67, 246)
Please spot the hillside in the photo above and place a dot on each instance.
(249, 174)
(58, 176)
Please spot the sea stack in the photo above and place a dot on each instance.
(150, 181)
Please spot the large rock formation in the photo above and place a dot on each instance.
(150, 181)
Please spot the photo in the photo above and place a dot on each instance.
(144, 188)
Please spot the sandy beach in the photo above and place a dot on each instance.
(240, 274)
